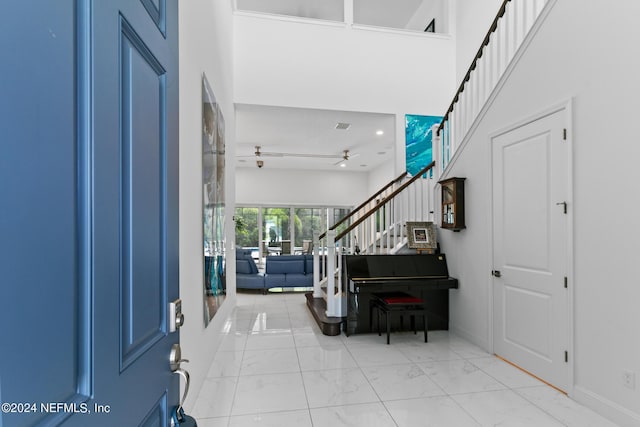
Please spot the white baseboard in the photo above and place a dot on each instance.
(482, 343)
(605, 407)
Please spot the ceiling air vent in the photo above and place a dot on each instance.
(343, 126)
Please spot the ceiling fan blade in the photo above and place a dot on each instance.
(308, 155)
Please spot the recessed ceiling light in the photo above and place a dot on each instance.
(343, 165)
(380, 153)
(379, 132)
(363, 166)
(242, 161)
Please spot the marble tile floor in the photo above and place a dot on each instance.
(275, 368)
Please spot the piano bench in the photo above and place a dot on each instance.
(397, 302)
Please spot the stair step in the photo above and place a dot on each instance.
(328, 325)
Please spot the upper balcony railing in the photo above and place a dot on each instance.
(419, 17)
(498, 48)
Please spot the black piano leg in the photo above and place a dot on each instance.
(413, 324)
(424, 317)
(388, 327)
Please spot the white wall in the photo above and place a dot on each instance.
(299, 63)
(296, 187)
(472, 20)
(330, 66)
(597, 70)
(205, 47)
(378, 178)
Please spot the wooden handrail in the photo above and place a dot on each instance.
(354, 211)
(467, 76)
(383, 201)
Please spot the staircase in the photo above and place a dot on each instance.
(378, 225)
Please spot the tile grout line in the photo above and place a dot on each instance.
(539, 407)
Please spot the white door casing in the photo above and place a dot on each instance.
(531, 191)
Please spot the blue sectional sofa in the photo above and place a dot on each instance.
(247, 274)
(287, 271)
(283, 271)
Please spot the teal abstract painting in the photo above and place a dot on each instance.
(419, 141)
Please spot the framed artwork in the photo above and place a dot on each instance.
(419, 141)
(421, 235)
(213, 217)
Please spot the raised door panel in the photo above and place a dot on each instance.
(143, 177)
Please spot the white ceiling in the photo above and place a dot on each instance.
(300, 132)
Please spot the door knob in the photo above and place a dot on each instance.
(175, 358)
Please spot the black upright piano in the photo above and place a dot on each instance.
(424, 276)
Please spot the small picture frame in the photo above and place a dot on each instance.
(421, 235)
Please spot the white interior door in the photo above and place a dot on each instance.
(530, 203)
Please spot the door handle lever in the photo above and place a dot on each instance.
(175, 358)
(564, 205)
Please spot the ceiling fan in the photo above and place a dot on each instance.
(345, 157)
(259, 153)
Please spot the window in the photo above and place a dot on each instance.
(308, 220)
(326, 10)
(282, 230)
(247, 235)
(413, 15)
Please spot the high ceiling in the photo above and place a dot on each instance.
(307, 139)
(301, 132)
(385, 13)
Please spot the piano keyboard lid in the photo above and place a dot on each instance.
(380, 267)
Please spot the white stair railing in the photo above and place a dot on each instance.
(381, 229)
(378, 225)
(505, 36)
(373, 201)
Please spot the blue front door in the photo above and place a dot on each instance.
(88, 211)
